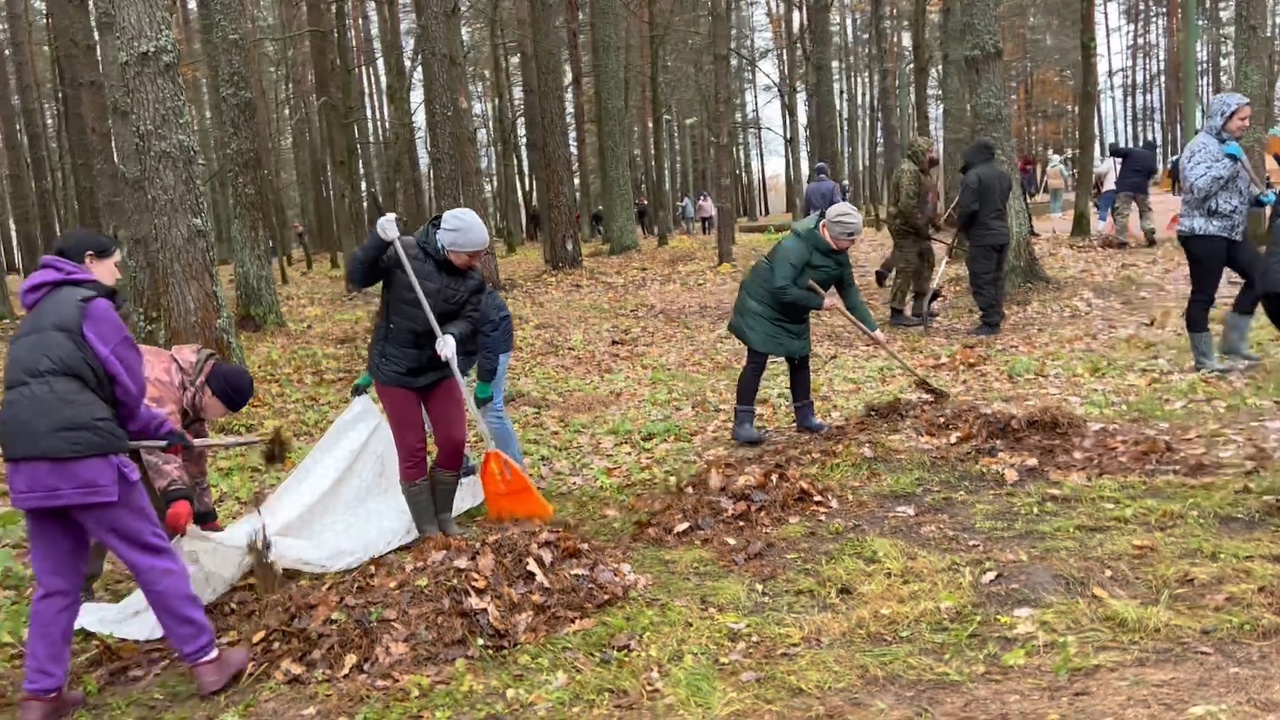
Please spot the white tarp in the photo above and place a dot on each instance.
(338, 509)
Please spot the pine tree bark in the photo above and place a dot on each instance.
(956, 133)
(563, 249)
(1086, 107)
(20, 192)
(920, 66)
(661, 201)
(347, 215)
(177, 294)
(299, 128)
(824, 123)
(33, 127)
(989, 105)
(887, 84)
(357, 112)
(1253, 47)
(121, 121)
(402, 178)
(508, 199)
(573, 29)
(232, 60)
(615, 145)
(532, 121)
(725, 213)
(202, 94)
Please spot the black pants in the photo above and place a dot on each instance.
(706, 226)
(1207, 257)
(986, 280)
(753, 371)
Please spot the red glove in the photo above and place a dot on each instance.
(178, 442)
(179, 517)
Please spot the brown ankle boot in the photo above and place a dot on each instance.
(214, 676)
(63, 705)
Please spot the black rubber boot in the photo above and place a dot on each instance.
(806, 420)
(882, 277)
(444, 486)
(469, 468)
(422, 507)
(985, 330)
(744, 426)
(918, 306)
(898, 318)
(1151, 237)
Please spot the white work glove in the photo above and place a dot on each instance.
(387, 228)
(447, 348)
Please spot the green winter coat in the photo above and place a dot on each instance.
(771, 314)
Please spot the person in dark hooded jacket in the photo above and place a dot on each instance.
(408, 377)
(823, 192)
(1133, 186)
(982, 215)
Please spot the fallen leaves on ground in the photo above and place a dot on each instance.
(418, 609)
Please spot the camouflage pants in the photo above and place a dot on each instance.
(1120, 213)
(914, 261)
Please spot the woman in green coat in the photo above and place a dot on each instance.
(771, 315)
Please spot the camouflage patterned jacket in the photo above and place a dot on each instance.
(175, 387)
(913, 196)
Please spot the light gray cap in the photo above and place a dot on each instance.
(844, 222)
(462, 230)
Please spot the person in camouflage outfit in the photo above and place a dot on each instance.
(913, 212)
(191, 386)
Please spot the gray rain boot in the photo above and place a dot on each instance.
(444, 486)
(1235, 338)
(807, 421)
(421, 507)
(1202, 352)
(744, 426)
(918, 306)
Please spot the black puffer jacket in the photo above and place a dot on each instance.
(1138, 167)
(496, 336)
(402, 352)
(982, 209)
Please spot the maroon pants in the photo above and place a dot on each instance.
(448, 415)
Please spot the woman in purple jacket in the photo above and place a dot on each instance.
(74, 396)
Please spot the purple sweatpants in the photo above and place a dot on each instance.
(58, 539)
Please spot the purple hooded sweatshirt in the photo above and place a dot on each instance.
(40, 484)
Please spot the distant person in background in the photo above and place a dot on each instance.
(1138, 167)
(534, 224)
(642, 217)
(1175, 182)
(706, 213)
(597, 222)
(1105, 176)
(1030, 188)
(823, 192)
(1055, 180)
(686, 213)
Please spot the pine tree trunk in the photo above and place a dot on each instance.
(798, 175)
(177, 295)
(357, 110)
(299, 130)
(200, 92)
(763, 188)
(513, 146)
(956, 133)
(920, 66)
(508, 196)
(367, 59)
(1172, 80)
(725, 214)
(1086, 102)
(887, 84)
(573, 23)
(1253, 47)
(348, 218)
(749, 204)
(120, 125)
(402, 181)
(563, 247)
(848, 61)
(615, 146)
(660, 203)
(532, 122)
(33, 127)
(20, 192)
(80, 80)
(825, 122)
(990, 111)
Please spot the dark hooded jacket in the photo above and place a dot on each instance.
(982, 209)
(1138, 167)
(402, 352)
(822, 193)
(495, 337)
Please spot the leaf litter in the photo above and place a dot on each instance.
(413, 610)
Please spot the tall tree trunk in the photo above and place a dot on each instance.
(725, 214)
(366, 59)
(563, 249)
(1086, 105)
(956, 133)
(402, 175)
(20, 192)
(1117, 128)
(920, 66)
(121, 121)
(178, 297)
(793, 111)
(615, 146)
(1253, 48)
(232, 60)
(508, 197)
(848, 63)
(200, 94)
(661, 201)
(573, 22)
(825, 122)
(357, 110)
(455, 158)
(887, 81)
(299, 128)
(523, 180)
(990, 111)
(533, 118)
(20, 53)
(763, 189)
(1173, 80)
(84, 103)
(345, 195)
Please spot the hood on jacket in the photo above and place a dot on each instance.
(426, 238)
(980, 153)
(821, 170)
(54, 272)
(1221, 108)
(1055, 159)
(1149, 145)
(917, 150)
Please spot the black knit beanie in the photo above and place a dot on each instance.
(231, 384)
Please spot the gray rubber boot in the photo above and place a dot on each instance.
(1235, 338)
(421, 507)
(918, 308)
(444, 486)
(807, 421)
(1202, 352)
(744, 426)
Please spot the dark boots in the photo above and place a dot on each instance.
(1150, 235)
(444, 486)
(744, 426)
(422, 506)
(806, 420)
(63, 705)
(918, 306)
(985, 330)
(882, 277)
(899, 318)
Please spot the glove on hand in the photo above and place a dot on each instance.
(483, 394)
(179, 517)
(1233, 150)
(388, 228)
(447, 348)
(1267, 199)
(214, 526)
(361, 386)
(177, 442)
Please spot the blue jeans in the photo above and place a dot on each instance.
(496, 417)
(1055, 201)
(1105, 202)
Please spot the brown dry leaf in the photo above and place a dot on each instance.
(257, 637)
(681, 528)
(715, 480)
(292, 667)
(1100, 593)
(485, 563)
(348, 662)
(749, 676)
(532, 566)
(989, 577)
(624, 641)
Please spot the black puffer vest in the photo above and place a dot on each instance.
(59, 402)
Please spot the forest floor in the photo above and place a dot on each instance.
(1085, 529)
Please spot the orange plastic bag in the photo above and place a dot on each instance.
(509, 494)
